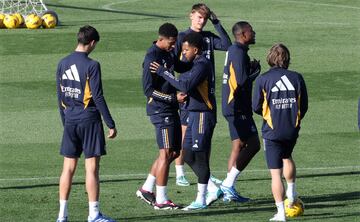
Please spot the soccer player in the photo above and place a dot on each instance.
(199, 16)
(280, 96)
(239, 74)
(162, 108)
(198, 84)
(81, 105)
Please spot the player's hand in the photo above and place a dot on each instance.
(154, 66)
(112, 133)
(213, 18)
(254, 65)
(181, 97)
(255, 69)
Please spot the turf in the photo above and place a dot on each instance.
(323, 37)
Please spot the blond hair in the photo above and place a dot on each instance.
(279, 56)
(202, 9)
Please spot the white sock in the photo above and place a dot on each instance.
(161, 196)
(94, 209)
(149, 183)
(201, 194)
(290, 192)
(211, 186)
(179, 170)
(231, 177)
(63, 212)
(280, 208)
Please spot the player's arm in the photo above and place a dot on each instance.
(223, 42)
(303, 98)
(238, 67)
(258, 97)
(97, 95)
(181, 66)
(150, 91)
(187, 81)
(58, 92)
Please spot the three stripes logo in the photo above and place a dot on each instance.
(283, 85)
(71, 74)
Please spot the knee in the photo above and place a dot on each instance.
(166, 156)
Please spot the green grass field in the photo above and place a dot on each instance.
(323, 37)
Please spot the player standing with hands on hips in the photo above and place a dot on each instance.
(281, 98)
(81, 105)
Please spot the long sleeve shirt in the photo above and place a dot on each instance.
(160, 94)
(79, 90)
(280, 96)
(211, 42)
(237, 83)
(198, 83)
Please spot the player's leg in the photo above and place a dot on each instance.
(289, 171)
(201, 128)
(170, 144)
(92, 185)
(199, 163)
(248, 152)
(290, 175)
(68, 171)
(71, 149)
(179, 162)
(245, 145)
(273, 154)
(93, 143)
(277, 188)
(146, 191)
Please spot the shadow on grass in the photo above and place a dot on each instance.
(74, 184)
(350, 173)
(312, 217)
(336, 200)
(110, 11)
(182, 215)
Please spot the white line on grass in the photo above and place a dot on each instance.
(109, 6)
(319, 4)
(172, 174)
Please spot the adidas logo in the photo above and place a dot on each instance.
(283, 85)
(71, 74)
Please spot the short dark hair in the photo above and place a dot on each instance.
(168, 30)
(202, 9)
(239, 27)
(194, 39)
(87, 34)
(279, 56)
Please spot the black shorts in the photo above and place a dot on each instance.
(276, 151)
(184, 117)
(241, 127)
(87, 137)
(199, 131)
(167, 130)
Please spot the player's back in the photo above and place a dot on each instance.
(286, 102)
(74, 75)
